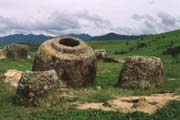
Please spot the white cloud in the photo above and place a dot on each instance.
(88, 16)
(55, 24)
(161, 22)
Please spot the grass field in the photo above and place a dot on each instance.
(107, 76)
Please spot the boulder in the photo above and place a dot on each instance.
(2, 54)
(101, 54)
(12, 77)
(141, 72)
(17, 51)
(40, 88)
(72, 59)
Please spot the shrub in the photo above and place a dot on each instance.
(132, 48)
(141, 45)
(173, 51)
(121, 52)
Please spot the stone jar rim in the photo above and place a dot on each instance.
(75, 45)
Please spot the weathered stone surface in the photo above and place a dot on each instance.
(72, 59)
(98, 88)
(141, 72)
(101, 54)
(2, 54)
(16, 51)
(12, 77)
(40, 88)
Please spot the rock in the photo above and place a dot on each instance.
(2, 54)
(72, 59)
(141, 72)
(121, 60)
(144, 106)
(40, 88)
(98, 88)
(101, 54)
(16, 51)
(12, 77)
(29, 57)
(66, 92)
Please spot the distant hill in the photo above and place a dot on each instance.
(114, 36)
(81, 36)
(20, 38)
(35, 39)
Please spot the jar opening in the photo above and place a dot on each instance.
(69, 42)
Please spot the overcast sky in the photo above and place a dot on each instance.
(95, 17)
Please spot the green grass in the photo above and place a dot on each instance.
(62, 111)
(107, 77)
(15, 64)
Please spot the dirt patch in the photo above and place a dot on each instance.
(173, 78)
(94, 106)
(147, 104)
(104, 71)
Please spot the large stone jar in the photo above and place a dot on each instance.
(141, 72)
(72, 59)
(16, 51)
(101, 54)
(39, 88)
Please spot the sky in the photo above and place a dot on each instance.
(94, 17)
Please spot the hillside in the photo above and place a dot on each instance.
(114, 36)
(148, 45)
(165, 45)
(81, 36)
